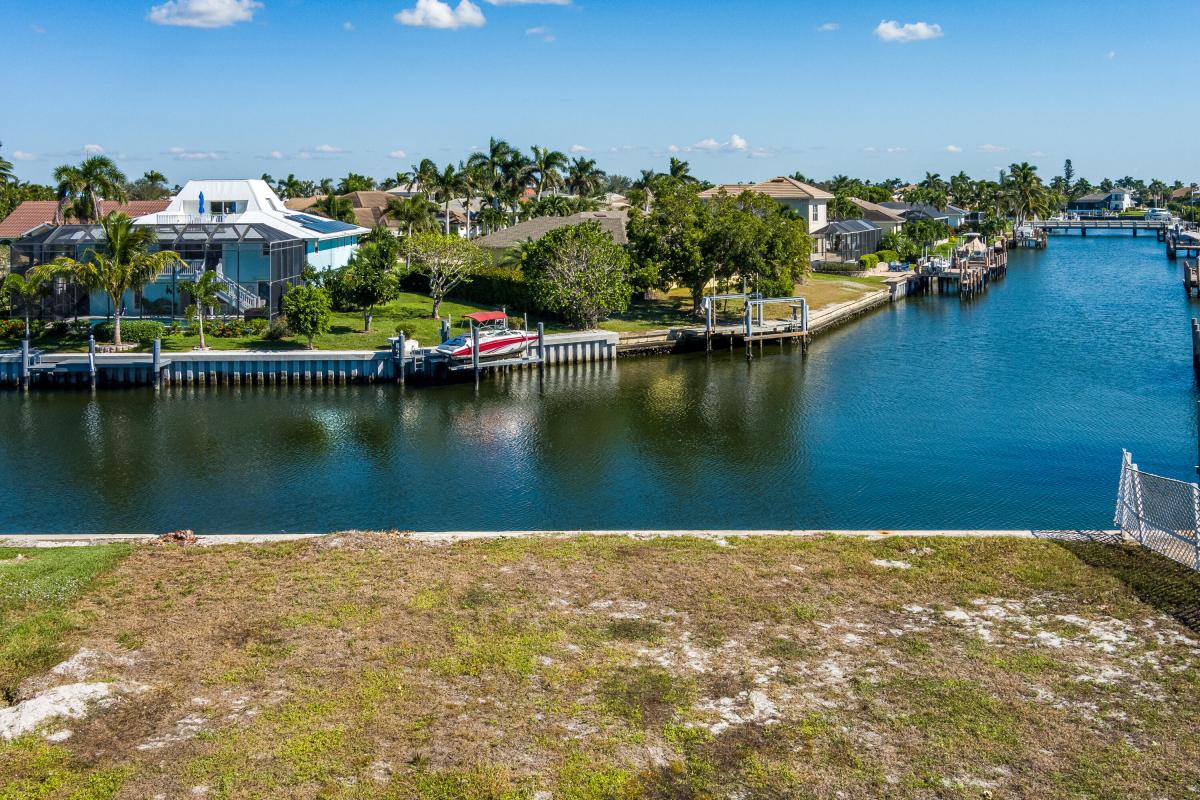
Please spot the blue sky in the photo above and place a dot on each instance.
(235, 88)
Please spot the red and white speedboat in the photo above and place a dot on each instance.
(496, 339)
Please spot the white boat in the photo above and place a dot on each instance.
(496, 339)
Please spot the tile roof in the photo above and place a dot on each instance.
(32, 213)
(780, 188)
(876, 212)
(534, 229)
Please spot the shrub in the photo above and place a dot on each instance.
(868, 261)
(133, 331)
(408, 329)
(233, 328)
(887, 256)
(278, 329)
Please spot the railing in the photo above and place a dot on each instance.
(189, 219)
(1160, 514)
(237, 295)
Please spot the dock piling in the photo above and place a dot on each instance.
(156, 362)
(25, 362)
(92, 361)
(475, 351)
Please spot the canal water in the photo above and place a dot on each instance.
(1009, 411)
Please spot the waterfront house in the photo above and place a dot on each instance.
(846, 240)
(886, 219)
(953, 216)
(1117, 200)
(808, 201)
(239, 229)
(612, 222)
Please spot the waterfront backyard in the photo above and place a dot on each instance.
(366, 665)
(411, 311)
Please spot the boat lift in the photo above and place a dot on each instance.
(754, 326)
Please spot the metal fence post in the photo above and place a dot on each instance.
(1195, 527)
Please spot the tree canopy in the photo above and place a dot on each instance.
(579, 273)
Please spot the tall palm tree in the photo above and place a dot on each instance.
(335, 207)
(680, 170)
(490, 164)
(446, 186)
(204, 292)
(28, 288)
(421, 175)
(83, 187)
(125, 263)
(417, 214)
(583, 177)
(934, 182)
(515, 177)
(547, 164)
(1024, 192)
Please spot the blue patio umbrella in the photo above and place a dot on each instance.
(202, 203)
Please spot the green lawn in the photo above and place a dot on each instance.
(667, 310)
(37, 586)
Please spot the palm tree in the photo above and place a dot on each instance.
(681, 171)
(335, 207)
(6, 170)
(490, 163)
(1024, 192)
(421, 175)
(204, 292)
(68, 185)
(28, 289)
(583, 177)
(290, 187)
(417, 214)
(125, 263)
(446, 186)
(84, 186)
(546, 165)
(492, 219)
(1157, 189)
(934, 182)
(515, 177)
(962, 190)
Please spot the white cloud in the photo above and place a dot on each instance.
(397, 154)
(1037, 153)
(529, 2)
(1110, 55)
(21, 155)
(542, 31)
(710, 145)
(37, 29)
(327, 149)
(869, 149)
(828, 27)
(93, 150)
(897, 149)
(673, 148)
(437, 14)
(348, 26)
(892, 31)
(760, 152)
(276, 155)
(578, 148)
(992, 148)
(735, 143)
(203, 13)
(952, 148)
(181, 154)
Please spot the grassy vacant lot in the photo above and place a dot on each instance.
(365, 666)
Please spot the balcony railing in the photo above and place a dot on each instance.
(191, 219)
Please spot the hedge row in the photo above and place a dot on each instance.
(133, 331)
(868, 261)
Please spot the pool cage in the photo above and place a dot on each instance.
(257, 264)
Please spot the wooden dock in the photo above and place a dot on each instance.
(1098, 224)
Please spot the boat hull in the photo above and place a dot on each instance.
(506, 346)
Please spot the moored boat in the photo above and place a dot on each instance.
(496, 339)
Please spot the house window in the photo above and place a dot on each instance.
(223, 206)
(816, 217)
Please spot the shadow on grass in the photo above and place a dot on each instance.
(1165, 584)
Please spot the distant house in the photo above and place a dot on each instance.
(805, 199)
(953, 216)
(885, 218)
(846, 240)
(1118, 200)
(532, 230)
(1185, 194)
(32, 215)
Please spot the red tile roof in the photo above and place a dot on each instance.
(32, 213)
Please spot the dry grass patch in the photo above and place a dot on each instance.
(605, 667)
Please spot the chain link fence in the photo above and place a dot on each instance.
(1161, 514)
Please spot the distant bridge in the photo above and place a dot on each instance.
(1109, 223)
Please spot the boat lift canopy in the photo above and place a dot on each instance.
(486, 316)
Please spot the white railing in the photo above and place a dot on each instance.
(237, 295)
(1160, 514)
(189, 219)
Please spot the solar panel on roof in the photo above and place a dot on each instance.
(319, 224)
